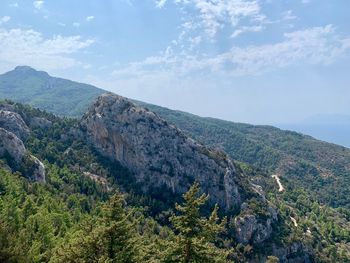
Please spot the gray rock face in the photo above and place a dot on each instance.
(38, 173)
(13, 148)
(7, 107)
(251, 230)
(293, 253)
(14, 123)
(159, 154)
(10, 144)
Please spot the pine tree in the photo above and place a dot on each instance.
(196, 234)
(112, 239)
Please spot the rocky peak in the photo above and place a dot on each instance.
(159, 155)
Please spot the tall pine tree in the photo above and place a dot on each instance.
(196, 234)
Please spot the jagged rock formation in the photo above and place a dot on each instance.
(250, 229)
(14, 123)
(159, 154)
(13, 149)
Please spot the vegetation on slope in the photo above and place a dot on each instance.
(55, 95)
(76, 218)
(321, 168)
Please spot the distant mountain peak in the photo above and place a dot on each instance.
(24, 68)
(27, 70)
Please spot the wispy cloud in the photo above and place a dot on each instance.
(18, 46)
(38, 4)
(317, 45)
(90, 18)
(14, 5)
(4, 19)
(160, 3)
(245, 29)
(289, 15)
(215, 15)
(76, 24)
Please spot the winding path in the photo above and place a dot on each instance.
(281, 188)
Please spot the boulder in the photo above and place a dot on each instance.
(14, 123)
(11, 146)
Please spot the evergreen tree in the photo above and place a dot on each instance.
(112, 239)
(196, 234)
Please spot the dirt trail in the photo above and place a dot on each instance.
(294, 221)
(281, 188)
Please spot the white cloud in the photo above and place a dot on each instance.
(38, 4)
(245, 29)
(160, 3)
(14, 5)
(76, 24)
(29, 47)
(288, 15)
(317, 45)
(215, 15)
(4, 19)
(90, 18)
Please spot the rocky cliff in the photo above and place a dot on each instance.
(159, 155)
(13, 122)
(13, 130)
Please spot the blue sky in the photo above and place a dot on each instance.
(256, 61)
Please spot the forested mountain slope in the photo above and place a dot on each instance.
(59, 96)
(78, 213)
(321, 168)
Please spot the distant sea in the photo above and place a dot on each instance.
(333, 133)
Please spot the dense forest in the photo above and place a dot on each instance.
(77, 216)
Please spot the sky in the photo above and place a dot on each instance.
(254, 61)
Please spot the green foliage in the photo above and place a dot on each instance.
(196, 234)
(112, 238)
(37, 88)
(321, 168)
(75, 217)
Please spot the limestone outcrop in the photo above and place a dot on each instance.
(159, 155)
(14, 123)
(13, 150)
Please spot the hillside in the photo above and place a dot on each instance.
(59, 96)
(319, 167)
(77, 212)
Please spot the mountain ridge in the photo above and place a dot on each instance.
(70, 203)
(319, 167)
